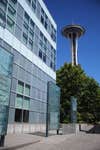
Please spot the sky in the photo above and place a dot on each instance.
(87, 14)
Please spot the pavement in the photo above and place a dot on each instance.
(18, 141)
(80, 141)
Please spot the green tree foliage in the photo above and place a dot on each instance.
(74, 82)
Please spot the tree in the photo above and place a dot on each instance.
(73, 81)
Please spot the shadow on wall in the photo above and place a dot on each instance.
(90, 129)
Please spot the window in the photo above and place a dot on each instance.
(25, 116)
(45, 40)
(20, 87)
(26, 18)
(22, 102)
(21, 115)
(10, 24)
(51, 65)
(46, 24)
(27, 90)
(25, 28)
(25, 37)
(2, 18)
(44, 58)
(18, 32)
(18, 115)
(32, 25)
(30, 44)
(23, 89)
(19, 101)
(11, 11)
(13, 3)
(31, 34)
(40, 54)
(34, 5)
(3, 5)
(41, 43)
(26, 103)
(42, 20)
(41, 35)
(42, 11)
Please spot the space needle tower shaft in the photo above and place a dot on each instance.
(73, 32)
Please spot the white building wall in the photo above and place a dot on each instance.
(21, 48)
(36, 20)
(47, 13)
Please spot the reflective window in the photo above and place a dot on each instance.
(25, 38)
(3, 6)
(6, 62)
(18, 115)
(19, 101)
(11, 12)
(44, 58)
(20, 88)
(10, 24)
(22, 98)
(40, 54)
(27, 90)
(26, 18)
(26, 103)
(25, 116)
(21, 115)
(34, 5)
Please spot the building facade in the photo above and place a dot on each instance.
(28, 32)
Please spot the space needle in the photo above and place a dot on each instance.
(73, 32)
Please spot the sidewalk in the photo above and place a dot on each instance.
(80, 141)
(16, 141)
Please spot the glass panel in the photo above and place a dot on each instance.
(34, 5)
(44, 58)
(18, 115)
(10, 24)
(11, 12)
(31, 34)
(26, 18)
(40, 54)
(3, 119)
(26, 103)
(25, 28)
(18, 32)
(3, 5)
(20, 88)
(32, 25)
(2, 18)
(25, 37)
(6, 61)
(53, 105)
(3, 95)
(25, 116)
(42, 20)
(19, 101)
(30, 44)
(13, 3)
(27, 90)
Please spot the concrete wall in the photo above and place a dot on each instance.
(26, 128)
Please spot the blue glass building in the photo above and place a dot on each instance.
(28, 32)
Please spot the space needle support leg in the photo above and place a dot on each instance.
(74, 51)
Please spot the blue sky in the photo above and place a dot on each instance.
(87, 14)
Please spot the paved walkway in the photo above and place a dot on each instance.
(57, 142)
(18, 141)
(65, 142)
